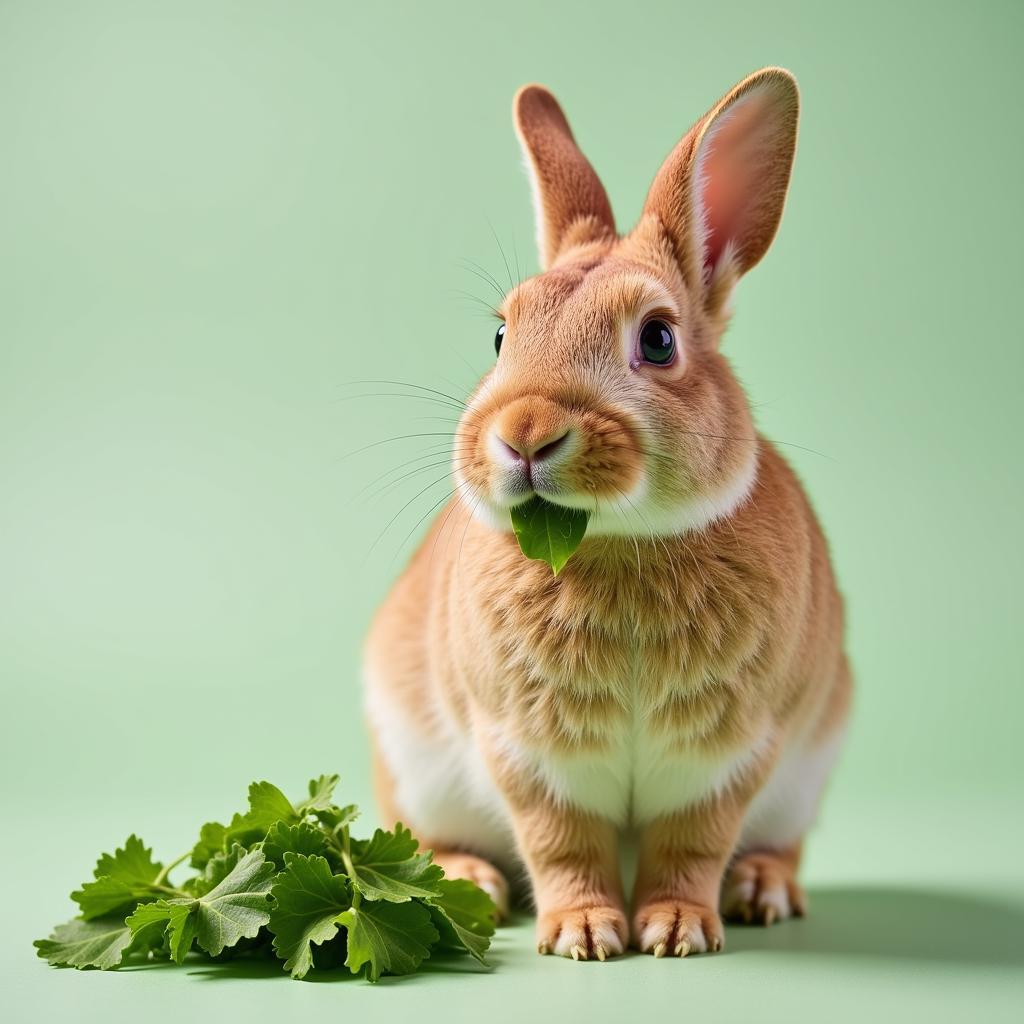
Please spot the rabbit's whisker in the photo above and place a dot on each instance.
(390, 440)
(392, 520)
(748, 440)
(416, 525)
(432, 454)
(396, 394)
(465, 530)
(405, 384)
(491, 311)
(392, 484)
(441, 528)
(481, 272)
(504, 258)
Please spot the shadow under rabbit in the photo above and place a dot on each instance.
(896, 922)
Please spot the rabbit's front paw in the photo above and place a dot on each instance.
(584, 933)
(677, 928)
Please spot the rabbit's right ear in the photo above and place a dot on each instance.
(720, 192)
(570, 203)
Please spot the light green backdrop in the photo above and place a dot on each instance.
(215, 215)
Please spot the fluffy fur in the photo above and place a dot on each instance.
(684, 675)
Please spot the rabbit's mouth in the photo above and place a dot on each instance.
(571, 454)
(558, 500)
(607, 473)
(521, 469)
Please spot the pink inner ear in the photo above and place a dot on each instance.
(733, 153)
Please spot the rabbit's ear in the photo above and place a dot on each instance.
(569, 200)
(721, 191)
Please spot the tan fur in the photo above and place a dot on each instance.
(762, 885)
(719, 641)
(570, 193)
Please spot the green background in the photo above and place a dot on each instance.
(214, 216)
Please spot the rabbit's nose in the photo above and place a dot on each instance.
(532, 451)
(530, 430)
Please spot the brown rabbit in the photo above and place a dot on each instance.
(683, 677)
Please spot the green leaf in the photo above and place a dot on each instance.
(549, 532)
(212, 838)
(98, 943)
(307, 901)
(464, 916)
(273, 875)
(390, 937)
(267, 806)
(121, 880)
(303, 838)
(389, 868)
(319, 804)
(177, 918)
(106, 896)
(320, 792)
(218, 867)
(336, 817)
(236, 908)
(131, 863)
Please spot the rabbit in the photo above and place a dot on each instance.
(682, 680)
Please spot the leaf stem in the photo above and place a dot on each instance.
(346, 856)
(169, 889)
(158, 882)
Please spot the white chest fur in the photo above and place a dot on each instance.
(444, 788)
(635, 779)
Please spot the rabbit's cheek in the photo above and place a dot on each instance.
(607, 464)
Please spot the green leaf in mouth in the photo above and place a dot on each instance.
(549, 532)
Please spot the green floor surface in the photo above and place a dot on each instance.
(917, 913)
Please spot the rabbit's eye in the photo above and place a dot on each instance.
(657, 343)
(498, 338)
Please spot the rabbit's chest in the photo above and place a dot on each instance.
(635, 778)
(625, 727)
(632, 675)
(628, 694)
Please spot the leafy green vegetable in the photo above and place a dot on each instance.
(549, 532)
(334, 818)
(320, 792)
(236, 908)
(303, 838)
(267, 806)
(218, 867)
(212, 837)
(464, 915)
(175, 918)
(390, 937)
(283, 878)
(120, 881)
(389, 868)
(80, 943)
(308, 900)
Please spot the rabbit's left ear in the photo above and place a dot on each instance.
(570, 202)
(720, 192)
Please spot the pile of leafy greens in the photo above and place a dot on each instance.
(280, 876)
(548, 532)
